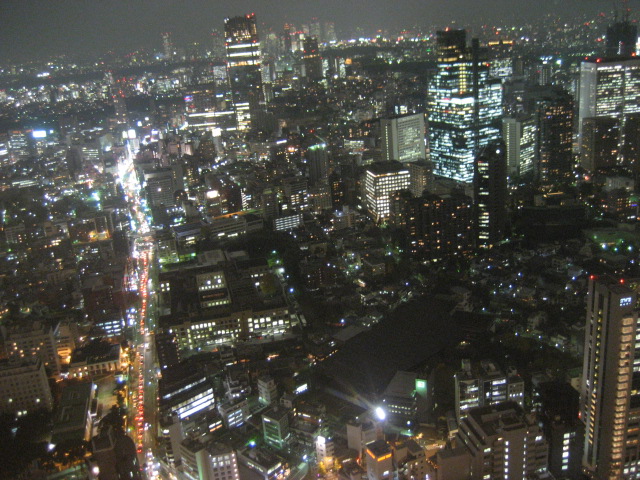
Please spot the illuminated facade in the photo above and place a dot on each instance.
(464, 106)
(608, 89)
(402, 138)
(243, 66)
(381, 180)
(610, 396)
(520, 136)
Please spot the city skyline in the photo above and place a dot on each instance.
(38, 29)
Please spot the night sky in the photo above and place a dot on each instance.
(41, 28)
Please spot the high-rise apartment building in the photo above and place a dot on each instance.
(610, 390)
(243, 66)
(464, 106)
(609, 89)
(381, 180)
(267, 390)
(402, 138)
(503, 443)
(490, 191)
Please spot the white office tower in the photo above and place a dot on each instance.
(503, 443)
(610, 391)
(267, 390)
(402, 138)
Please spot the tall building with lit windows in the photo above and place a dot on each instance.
(464, 106)
(490, 191)
(503, 442)
(380, 181)
(609, 89)
(243, 66)
(610, 390)
(402, 138)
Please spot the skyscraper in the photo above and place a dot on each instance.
(464, 106)
(610, 395)
(402, 138)
(520, 134)
(490, 192)
(609, 88)
(312, 59)
(243, 66)
(553, 108)
(621, 38)
(167, 46)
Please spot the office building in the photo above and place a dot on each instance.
(213, 461)
(379, 461)
(24, 387)
(554, 111)
(520, 135)
(185, 390)
(503, 443)
(267, 390)
(402, 138)
(362, 433)
(72, 419)
(420, 176)
(162, 185)
(318, 161)
(490, 191)
(464, 106)
(243, 66)
(609, 89)
(479, 385)
(400, 398)
(600, 143)
(610, 399)
(275, 426)
(32, 338)
(380, 181)
(312, 59)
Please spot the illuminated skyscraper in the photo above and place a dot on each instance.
(520, 134)
(464, 106)
(243, 65)
(608, 89)
(610, 390)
